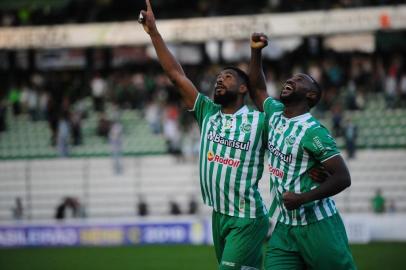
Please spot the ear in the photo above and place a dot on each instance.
(243, 89)
(312, 95)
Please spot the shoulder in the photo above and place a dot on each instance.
(272, 105)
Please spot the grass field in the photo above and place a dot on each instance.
(388, 256)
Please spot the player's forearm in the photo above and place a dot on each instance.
(168, 62)
(257, 78)
(333, 185)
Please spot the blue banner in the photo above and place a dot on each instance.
(104, 234)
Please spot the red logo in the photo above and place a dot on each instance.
(275, 171)
(225, 161)
(210, 156)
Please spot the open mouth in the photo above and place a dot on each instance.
(219, 88)
(287, 88)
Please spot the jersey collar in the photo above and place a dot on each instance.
(301, 118)
(242, 110)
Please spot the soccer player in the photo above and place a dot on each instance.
(233, 143)
(309, 233)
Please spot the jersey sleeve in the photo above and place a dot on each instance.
(320, 144)
(272, 105)
(203, 106)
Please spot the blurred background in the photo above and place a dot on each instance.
(98, 158)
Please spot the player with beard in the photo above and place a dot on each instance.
(231, 157)
(309, 233)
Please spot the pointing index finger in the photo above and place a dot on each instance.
(149, 8)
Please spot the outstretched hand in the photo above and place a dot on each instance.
(259, 41)
(147, 19)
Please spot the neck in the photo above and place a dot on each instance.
(232, 108)
(293, 110)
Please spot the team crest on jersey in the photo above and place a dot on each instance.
(245, 127)
(228, 124)
(280, 129)
(290, 140)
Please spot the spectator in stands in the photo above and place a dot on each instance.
(98, 86)
(18, 210)
(53, 118)
(116, 141)
(63, 135)
(3, 112)
(174, 208)
(14, 99)
(71, 204)
(76, 123)
(337, 119)
(103, 126)
(402, 89)
(193, 206)
(171, 130)
(350, 135)
(378, 202)
(142, 206)
(153, 116)
(391, 88)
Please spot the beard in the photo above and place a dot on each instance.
(225, 99)
(294, 97)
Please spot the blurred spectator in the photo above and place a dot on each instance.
(18, 210)
(53, 119)
(69, 207)
(14, 99)
(116, 141)
(378, 202)
(390, 91)
(171, 130)
(402, 88)
(153, 116)
(3, 112)
(99, 87)
(174, 208)
(63, 135)
(103, 126)
(193, 206)
(391, 206)
(350, 135)
(336, 120)
(76, 122)
(142, 207)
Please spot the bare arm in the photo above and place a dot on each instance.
(255, 72)
(338, 180)
(168, 62)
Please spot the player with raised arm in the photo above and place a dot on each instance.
(232, 147)
(309, 233)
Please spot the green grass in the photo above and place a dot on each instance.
(373, 256)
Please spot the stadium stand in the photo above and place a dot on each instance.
(43, 183)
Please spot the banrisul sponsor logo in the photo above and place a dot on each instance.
(223, 160)
(214, 137)
(277, 153)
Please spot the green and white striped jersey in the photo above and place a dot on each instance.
(295, 145)
(232, 148)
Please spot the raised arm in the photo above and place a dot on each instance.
(338, 180)
(168, 62)
(255, 72)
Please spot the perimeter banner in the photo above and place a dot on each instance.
(194, 232)
(206, 29)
